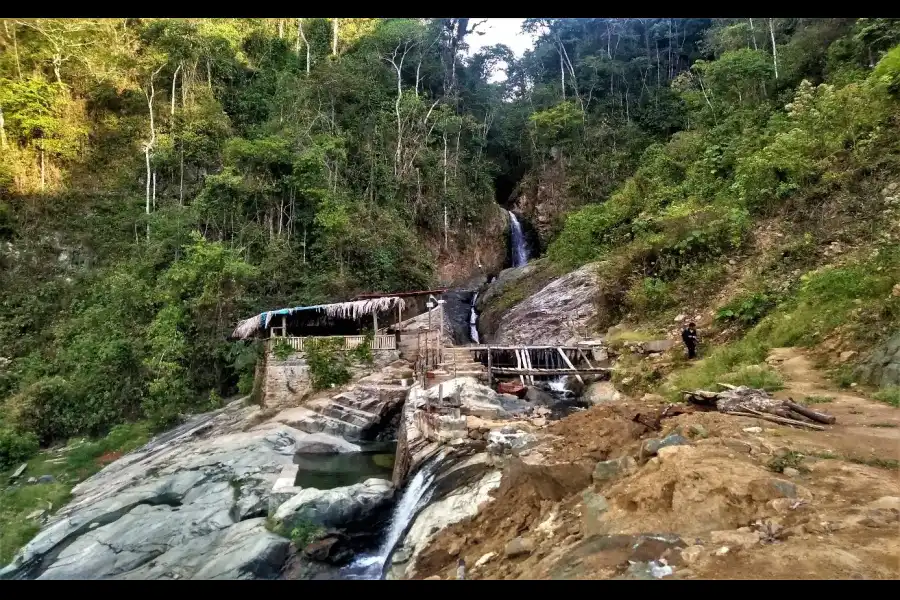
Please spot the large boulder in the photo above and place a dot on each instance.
(556, 315)
(337, 507)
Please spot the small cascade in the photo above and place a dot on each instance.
(370, 566)
(473, 321)
(517, 240)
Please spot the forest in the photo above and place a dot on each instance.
(162, 178)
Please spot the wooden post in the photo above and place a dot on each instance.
(569, 363)
(375, 321)
(490, 374)
(283, 325)
(519, 365)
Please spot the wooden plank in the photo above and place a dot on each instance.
(538, 371)
(490, 375)
(569, 363)
(586, 359)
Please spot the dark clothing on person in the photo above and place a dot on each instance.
(689, 337)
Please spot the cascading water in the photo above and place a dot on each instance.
(370, 566)
(517, 239)
(473, 321)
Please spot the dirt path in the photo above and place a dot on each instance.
(865, 429)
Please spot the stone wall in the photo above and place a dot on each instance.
(285, 381)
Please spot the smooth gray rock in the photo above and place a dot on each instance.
(558, 314)
(651, 447)
(336, 507)
(607, 470)
(323, 443)
(186, 489)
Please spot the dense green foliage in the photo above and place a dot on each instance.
(162, 178)
(329, 363)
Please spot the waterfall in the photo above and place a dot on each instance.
(473, 321)
(517, 239)
(370, 566)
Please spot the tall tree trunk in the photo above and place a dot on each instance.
(562, 76)
(753, 35)
(335, 26)
(281, 29)
(16, 51)
(147, 211)
(774, 50)
(302, 36)
(174, 79)
(154, 191)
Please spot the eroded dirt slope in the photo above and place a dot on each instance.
(741, 498)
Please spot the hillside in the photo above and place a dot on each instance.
(162, 178)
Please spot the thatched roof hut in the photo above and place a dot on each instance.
(354, 310)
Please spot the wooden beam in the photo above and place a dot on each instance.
(584, 356)
(538, 371)
(490, 375)
(519, 365)
(569, 363)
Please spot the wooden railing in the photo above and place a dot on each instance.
(379, 342)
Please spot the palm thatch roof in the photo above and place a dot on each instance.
(341, 310)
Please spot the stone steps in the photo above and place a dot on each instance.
(312, 421)
(349, 414)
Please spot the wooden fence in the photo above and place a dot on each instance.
(379, 342)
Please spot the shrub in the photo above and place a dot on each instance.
(282, 349)
(328, 363)
(649, 295)
(16, 446)
(746, 310)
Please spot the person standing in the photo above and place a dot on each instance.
(690, 339)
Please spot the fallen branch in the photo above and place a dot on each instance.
(741, 399)
(809, 413)
(774, 419)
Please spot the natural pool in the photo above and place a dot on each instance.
(327, 471)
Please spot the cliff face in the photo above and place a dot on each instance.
(542, 198)
(476, 251)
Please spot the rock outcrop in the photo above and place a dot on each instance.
(337, 507)
(191, 502)
(882, 368)
(558, 314)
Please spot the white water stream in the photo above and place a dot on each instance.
(517, 239)
(473, 321)
(370, 566)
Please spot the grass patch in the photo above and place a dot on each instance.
(826, 455)
(818, 399)
(756, 376)
(780, 463)
(889, 395)
(69, 465)
(630, 335)
(891, 464)
(888, 425)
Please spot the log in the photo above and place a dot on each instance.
(810, 413)
(774, 419)
(569, 364)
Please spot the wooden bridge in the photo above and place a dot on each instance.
(526, 362)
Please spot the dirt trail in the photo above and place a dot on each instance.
(744, 499)
(865, 429)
